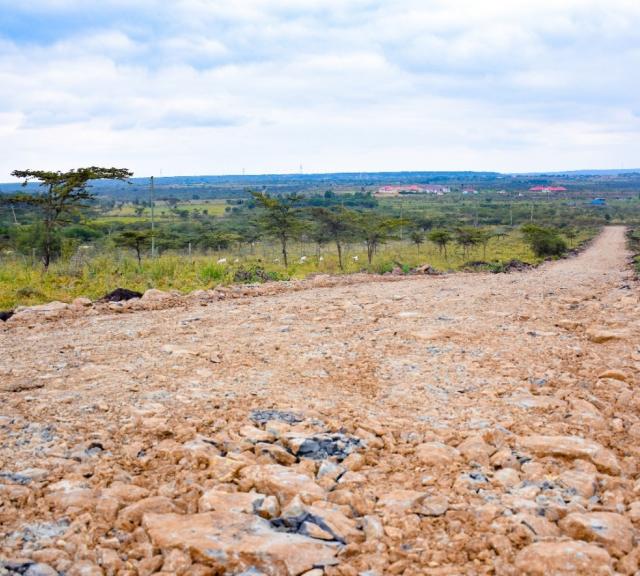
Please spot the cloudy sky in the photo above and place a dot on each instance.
(218, 86)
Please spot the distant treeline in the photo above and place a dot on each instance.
(237, 186)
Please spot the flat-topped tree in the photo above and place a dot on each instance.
(280, 218)
(63, 194)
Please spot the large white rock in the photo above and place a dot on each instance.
(563, 559)
(231, 542)
(571, 447)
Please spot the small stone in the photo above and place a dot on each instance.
(232, 501)
(436, 505)
(506, 477)
(475, 449)
(582, 483)
(436, 454)
(400, 501)
(600, 336)
(40, 570)
(614, 375)
(85, 568)
(373, 530)
(131, 516)
(256, 435)
(634, 511)
(281, 482)
(176, 562)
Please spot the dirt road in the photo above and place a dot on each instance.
(464, 424)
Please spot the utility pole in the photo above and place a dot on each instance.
(153, 236)
(511, 214)
(531, 217)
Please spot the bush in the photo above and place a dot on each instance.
(212, 273)
(254, 274)
(384, 267)
(544, 241)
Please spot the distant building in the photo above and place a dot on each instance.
(548, 189)
(412, 189)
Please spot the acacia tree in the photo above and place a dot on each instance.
(484, 236)
(417, 237)
(136, 239)
(280, 218)
(440, 238)
(339, 224)
(64, 193)
(375, 230)
(467, 237)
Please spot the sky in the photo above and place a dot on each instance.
(193, 87)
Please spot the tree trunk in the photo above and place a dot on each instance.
(339, 247)
(284, 252)
(46, 246)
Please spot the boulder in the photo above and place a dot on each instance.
(611, 530)
(230, 542)
(475, 449)
(400, 501)
(154, 295)
(436, 454)
(282, 482)
(600, 336)
(49, 310)
(571, 447)
(614, 375)
(582, 483)
(563, 559)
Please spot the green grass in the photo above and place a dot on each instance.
(127, 214)
(24, 283)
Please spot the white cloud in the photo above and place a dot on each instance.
(199, 86)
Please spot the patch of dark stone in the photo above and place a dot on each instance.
(25, 568)
(478, 477)
(297, 525)
(120, 295)
(264, 416)
(515, 265)
(16, 478)
(43, 531)
(338, 446)
(5, 315)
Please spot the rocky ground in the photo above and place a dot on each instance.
(460, 424)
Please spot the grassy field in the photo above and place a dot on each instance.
(93, 275)
(163, 211)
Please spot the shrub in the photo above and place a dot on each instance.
(384, 267)
(212, 273)
(544, 241)
(256, 274)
